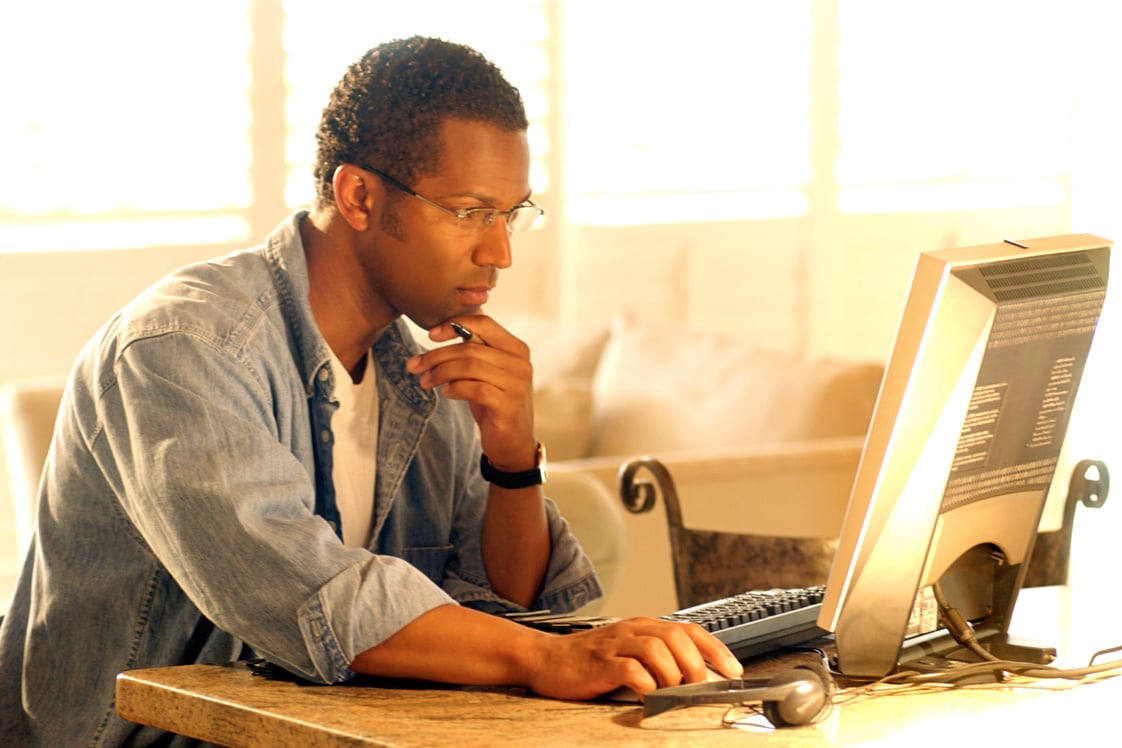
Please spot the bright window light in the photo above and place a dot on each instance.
(125, 109)
(973, 113)
(683, 109)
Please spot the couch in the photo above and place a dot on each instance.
(756, 440)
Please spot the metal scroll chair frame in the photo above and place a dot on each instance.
(709, 565)
(1050, 562)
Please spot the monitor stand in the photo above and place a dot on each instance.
(939, 652)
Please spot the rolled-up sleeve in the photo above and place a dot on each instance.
(337, 627)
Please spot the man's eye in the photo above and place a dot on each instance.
(481, 216)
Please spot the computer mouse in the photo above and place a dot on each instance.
(626, 695)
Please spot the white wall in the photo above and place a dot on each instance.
(776, 281)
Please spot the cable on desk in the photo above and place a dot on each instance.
(916, 683)
(958, 627)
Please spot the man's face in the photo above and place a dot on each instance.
(424, 264)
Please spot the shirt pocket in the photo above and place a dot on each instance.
(431, 560)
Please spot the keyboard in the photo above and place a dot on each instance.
(760, 621)
(750, 623)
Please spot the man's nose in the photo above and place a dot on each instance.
(494, 247)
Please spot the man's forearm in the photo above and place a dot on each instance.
(452, 644)
(516, 545)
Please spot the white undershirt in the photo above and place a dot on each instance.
(355, 455)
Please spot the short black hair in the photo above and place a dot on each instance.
(387, 109)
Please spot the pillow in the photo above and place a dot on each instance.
(663, 387)
(559, 348)
(565, 358)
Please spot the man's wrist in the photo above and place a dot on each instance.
(533, 476)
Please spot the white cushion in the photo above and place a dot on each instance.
(596, 519)
(563, 417)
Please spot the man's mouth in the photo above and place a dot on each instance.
(474, 295)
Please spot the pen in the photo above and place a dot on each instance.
(466, 334)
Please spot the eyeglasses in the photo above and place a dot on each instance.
(473, 220)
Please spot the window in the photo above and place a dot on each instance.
(125, 125)
(772, 110)
(140, 124)
(687, 116)
(973, 113)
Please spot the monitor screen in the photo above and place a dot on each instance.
(963, 445)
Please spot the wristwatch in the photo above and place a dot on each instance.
(535, 476)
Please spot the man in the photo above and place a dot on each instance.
(254, 459)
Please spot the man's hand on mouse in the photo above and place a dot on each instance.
(638, 653)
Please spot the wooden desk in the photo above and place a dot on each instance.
(228, 705)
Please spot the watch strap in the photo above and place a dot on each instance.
(535, 476)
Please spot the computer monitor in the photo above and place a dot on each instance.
(962, 448)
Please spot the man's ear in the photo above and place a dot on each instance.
(356, 197)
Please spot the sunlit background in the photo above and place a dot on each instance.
(831, 138)
(139, 123)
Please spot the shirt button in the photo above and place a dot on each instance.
(325, 436)
(323, 375)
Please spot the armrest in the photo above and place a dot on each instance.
(788, 489)
(28, 409)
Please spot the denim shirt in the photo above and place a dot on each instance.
(189, 483)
